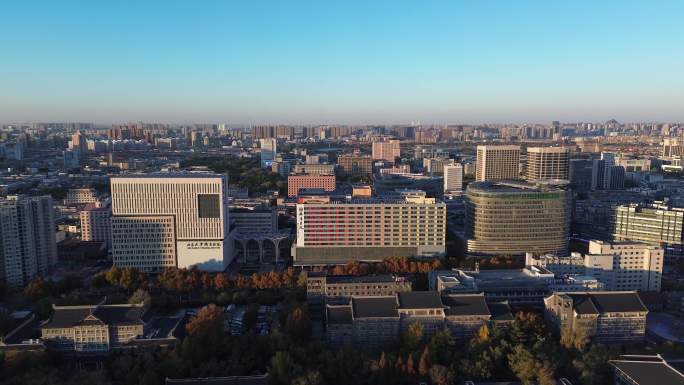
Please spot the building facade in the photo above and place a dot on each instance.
(453, 179)
(654, 224)
(171, 220)
(497, 163)
(548, 163)
(375, 321)
(80, 196)
(355, 165)
(313, 181)
(93, 329)
(317, 169)
(369, 229)
(340, 289)
(96, 224)
(388, 150)
(27, 239)
(608, 317)
(505, 218)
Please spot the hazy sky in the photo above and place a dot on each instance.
(341, 61)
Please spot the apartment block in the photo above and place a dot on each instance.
(548, 163)
(497, 163)
(96, 224)
(607, 317)
(27, 239)
(170, 220)
(453, 179)
(355, 165)
(337, 232)
(388, 150)
(80, 196)
(312, 181)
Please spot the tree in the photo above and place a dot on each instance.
(208, 321)
(113, 275)
(528, 368)
(410, 366)
(311, 377)
(442, 344)
(413, 336)
(482, 335)
(281, 367)
(298, 324)
(221, 281)
(441, 375)
(423, 364)
(37, 289)
(593, 365)
(577, 338)
(140, 296)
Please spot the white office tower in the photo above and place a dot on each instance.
(497, 163)
(268, 151)
(453, 179)
(27, 239)
(171, 220)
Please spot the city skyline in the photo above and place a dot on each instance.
(313, 63)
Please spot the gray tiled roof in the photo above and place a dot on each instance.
(648, 371)
(374, 307)
(607, 302)
(339, 314)
(464, 304)
(420, 300)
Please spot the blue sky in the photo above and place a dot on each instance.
(341, 62)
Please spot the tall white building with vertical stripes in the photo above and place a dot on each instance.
(171, 220)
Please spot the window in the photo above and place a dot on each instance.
(208, 205)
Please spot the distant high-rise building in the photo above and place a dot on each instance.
(672, 147)
(548, 163)
(171, 220)
(355, 165)
(606, 175)
(581, 174)
(497, 163)
(453, 178)
(71, 159)
(268, 151)
(78, 142)
(27, 239)
(389, 150)
(513, 218)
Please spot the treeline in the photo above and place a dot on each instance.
(394, 265)
(242, 172)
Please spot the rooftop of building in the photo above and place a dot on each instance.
(341, 279)
(606, 302)
(513, 187)
(233, 380)
(162, 175)
(339, 315)
(466, 304)
(374, 307)
(644, 370)
(420, 300)
(69, 316)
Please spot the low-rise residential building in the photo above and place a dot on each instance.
(317, 169)
(608, 317)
